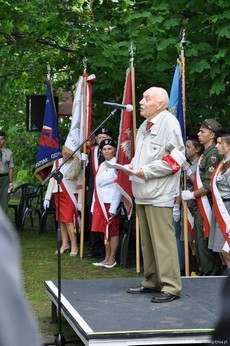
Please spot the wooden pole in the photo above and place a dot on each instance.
(184, 204)
(134, 140)
(85, 101)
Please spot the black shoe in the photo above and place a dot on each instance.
(91, 255)
(141, 289)
(163, 297)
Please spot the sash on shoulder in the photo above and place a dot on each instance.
(203, 202)
(222, 215)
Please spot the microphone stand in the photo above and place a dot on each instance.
(57, 175)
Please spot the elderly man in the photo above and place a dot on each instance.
(157, 161)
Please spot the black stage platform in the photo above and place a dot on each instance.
(102, 313)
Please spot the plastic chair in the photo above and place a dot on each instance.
(44, 217)
(19, 201)
(33, 204)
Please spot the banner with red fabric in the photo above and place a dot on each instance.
(125, 148)
(49, 143)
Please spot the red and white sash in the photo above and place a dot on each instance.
(94, 152)
(190, 223)
(66, 189)
(203, 202)
(222, 215)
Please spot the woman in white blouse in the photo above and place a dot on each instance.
(106, 206)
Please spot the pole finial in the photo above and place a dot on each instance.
(132, 49)
(48, 71)
(183, 40)
(84, 62)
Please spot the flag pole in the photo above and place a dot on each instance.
(184, 203)
(131, 49)
(84, 162)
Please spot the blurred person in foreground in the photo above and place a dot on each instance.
(6, 172)
(17, 323)
(157, 161)
(221, 334)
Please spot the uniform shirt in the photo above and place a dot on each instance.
(208, 163)
(223, 182)
(7, 161)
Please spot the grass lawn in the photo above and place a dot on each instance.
(39, 263)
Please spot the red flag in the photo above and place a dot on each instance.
(125, 148)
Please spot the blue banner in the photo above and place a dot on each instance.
(176, 100)
(49, 144)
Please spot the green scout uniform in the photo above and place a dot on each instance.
(209, 262)
(6, 162)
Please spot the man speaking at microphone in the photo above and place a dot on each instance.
(157, 161)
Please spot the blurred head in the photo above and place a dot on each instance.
(65, 154)
(223, 143)
(108, 149)
(154, 101)
(102, 133)
(193, 147)
(2, 138)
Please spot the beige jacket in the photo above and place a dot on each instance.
(161, 184)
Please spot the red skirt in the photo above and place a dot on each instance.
(99, 221)
(68, 211)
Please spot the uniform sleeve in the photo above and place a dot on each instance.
(211, 162)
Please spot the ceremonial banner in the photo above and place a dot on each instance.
(76, 133)
(175, 99)
(49, 143)
(125, 148)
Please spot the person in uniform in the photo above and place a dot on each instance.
(219, 239)
(95, 158)
(70, 200)
(106, 205)
(208, 262)
(6, 172)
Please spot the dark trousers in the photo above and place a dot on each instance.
(209, 262)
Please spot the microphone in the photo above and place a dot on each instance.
(128, 108)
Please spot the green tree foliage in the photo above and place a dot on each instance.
(61, 33)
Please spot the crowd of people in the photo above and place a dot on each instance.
(159, 160)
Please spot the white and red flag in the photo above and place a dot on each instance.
(125, 148)
(76, 133)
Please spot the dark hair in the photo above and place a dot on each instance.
(108, 142)
(2, 134)
(194, 139)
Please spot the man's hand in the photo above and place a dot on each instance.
(140, 174)
(10, 187)
(187, 195)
